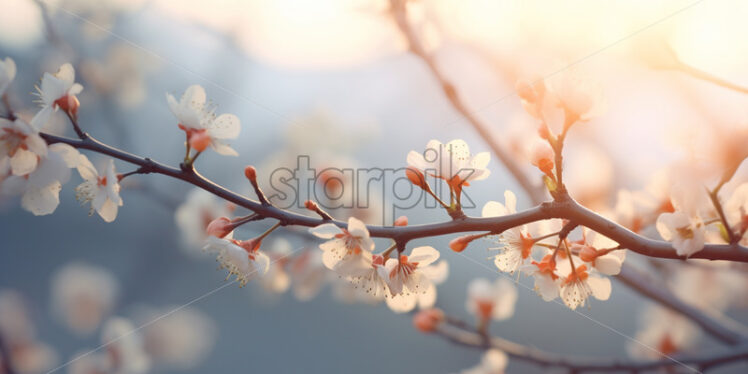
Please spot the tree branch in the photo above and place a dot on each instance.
(566, 209)
(458, 333)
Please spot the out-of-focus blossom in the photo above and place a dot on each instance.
(120, 75)
(179, 339)
(494, 361)
(488, 300)
(41, 188)
(243, 259)
(516, 243)
(428, 320)
(99, 188)
(7, 74)
(666, 332)
(348, 249)
(198, 210)
(308, 274)
(580, 284)
(22, 144)
(709, 285)
(83, 295)
(277, 280)
(577, 95)
(15, 324)
(451, 162)
(198, 120)
(125, 351)
(57, 91)
(27, 355)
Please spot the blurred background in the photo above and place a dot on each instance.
(334, 80)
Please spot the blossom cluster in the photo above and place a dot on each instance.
(83, 299)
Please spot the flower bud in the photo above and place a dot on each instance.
(542, 157)
(459, 244)
(199, 140)
(251, 245)
(69, 104)
(251, 173)
(401, 221)
(525, 91)
(311, 205)
(417, 178)
(428, 320)
(588, 254)
(219, 227)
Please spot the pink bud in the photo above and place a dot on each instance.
(251, 173)
(427, 320)
(401, 221)
(69, 104)
(219, 227)
(251, 245)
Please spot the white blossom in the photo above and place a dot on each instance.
(22, 145)
(100, 188)
(451, 162)
(243, 263)
(199, 121)
(57, 91)
(348, 250)
(41, 188)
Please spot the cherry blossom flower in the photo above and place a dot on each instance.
(684, 227)
(404, 275)
(100, 188)
(494, 361)
(22, 144)
(58, 91)
(83, 295)
(41, 188)
(451, 162)
(547, 282)
(125, 351)
(666, 332)
(687, 236)
(405, 302)
(198, 210)
(542, 157)
(516, 243)
(593, 250)
(7, 74)
(181, 339)
(348, 250)
(578, 96)
(200, 123)
(580, 284)
(242, 259)
(488, 300)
